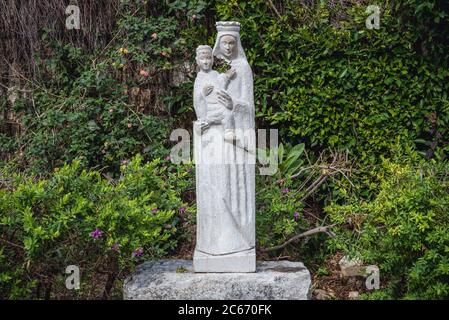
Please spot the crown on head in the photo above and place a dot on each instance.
(203, 48)
(228, 26)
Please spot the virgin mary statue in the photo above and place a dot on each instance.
(225, 169)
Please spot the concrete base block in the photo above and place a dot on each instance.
(244, 261)
(176, 280)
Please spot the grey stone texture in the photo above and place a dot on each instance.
(176, 280)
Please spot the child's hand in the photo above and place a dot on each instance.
(207, 90)
(204, 125)
(231, 73)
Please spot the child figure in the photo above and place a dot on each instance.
(215, 83)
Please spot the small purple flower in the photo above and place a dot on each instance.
(138, 252)
(116, 247)
(155, 210)
(97, 233)
(285, 190)
(167, 158)
(182, 210)
(296, 216)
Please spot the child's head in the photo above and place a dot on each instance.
(204, 57)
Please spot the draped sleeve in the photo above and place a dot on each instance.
(244, 103)
(199, 103)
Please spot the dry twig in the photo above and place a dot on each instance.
(307, 233)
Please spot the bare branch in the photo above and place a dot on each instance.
(12, 244)
(308, 233)
(273, 7)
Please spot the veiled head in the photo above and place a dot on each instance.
(228, 45)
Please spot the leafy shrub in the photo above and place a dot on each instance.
(279, 209)
(404, 230)
(279, 212)
(321, 77)
(78, 217)
(324, 79)
(88, 118)
(427, 20)
(104, 107)
(289, 218)
(97, 131)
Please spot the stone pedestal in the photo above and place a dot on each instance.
(244, 261)
(176, 280)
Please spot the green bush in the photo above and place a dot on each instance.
(78, 217)
(84, 103)
(404, 230)
(326, 80)
(321, 78)
(87, 116)
(279, 209)
(279, 212)
(286, 206)
(428, 21)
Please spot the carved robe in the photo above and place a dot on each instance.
(225, 176)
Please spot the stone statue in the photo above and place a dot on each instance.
(225, 186)
(211, 93)
(224, 262)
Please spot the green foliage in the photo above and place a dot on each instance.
(83, 104)
(46, 225)
(321, 78)
(279, 209)
(427, 20)
(276, 207)
(404, 230)
(284, 164)
(290, 163)
(322, 271)
(333, 83)
(84, 113)
(98, 131)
